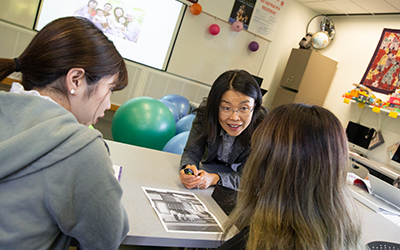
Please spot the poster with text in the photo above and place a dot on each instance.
(265, 17)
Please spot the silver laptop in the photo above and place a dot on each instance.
(384, 198)
(385, 191)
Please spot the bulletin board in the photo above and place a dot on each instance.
(263, 14)
(200, 56)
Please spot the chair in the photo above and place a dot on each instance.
(384, 245)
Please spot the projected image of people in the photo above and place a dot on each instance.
(120, 22)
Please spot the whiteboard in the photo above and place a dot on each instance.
(200, 56)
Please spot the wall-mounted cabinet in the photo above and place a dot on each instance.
(307, 78)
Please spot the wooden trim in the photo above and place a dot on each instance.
(9, 81)
(114, 107)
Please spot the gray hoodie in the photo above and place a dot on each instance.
(56, 180)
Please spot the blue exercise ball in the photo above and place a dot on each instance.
(177, 143)
(144, 122)
(181, 102)
(173, 108)
(185, 123)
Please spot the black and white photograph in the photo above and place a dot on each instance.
(181, 211)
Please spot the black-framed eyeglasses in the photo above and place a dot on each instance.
(244, 111)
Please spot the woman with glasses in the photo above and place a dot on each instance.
(221, 132)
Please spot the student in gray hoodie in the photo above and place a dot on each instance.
(56, 176)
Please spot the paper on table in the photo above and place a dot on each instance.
(182, 211)
(393, 218)
(373, 201)
(356, 180)
(117, 171)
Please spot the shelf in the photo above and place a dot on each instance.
(391, 113)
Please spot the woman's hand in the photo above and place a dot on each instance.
(190, 181)
(200, 178)
(207, 179)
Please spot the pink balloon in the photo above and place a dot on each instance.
(214, 29)
(237, 26)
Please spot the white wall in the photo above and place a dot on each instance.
(354, 44)
(291, 29)
(355, 41)
(200, 56)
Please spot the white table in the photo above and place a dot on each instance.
(142, 167)
(157, 169)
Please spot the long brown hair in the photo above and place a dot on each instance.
(293, 192)
(65, 43)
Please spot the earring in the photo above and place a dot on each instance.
(72, 91)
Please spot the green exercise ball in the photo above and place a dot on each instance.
(144, 122)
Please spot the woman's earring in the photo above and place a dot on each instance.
(72, 91)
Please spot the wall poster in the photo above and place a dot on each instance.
(242, 11)
(383, 72)
(265, 18)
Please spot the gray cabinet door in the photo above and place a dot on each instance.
(295, 68)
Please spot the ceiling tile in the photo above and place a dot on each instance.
(322, 8)
(306, 1)
(395, 3)
(376, 6)
(352, 6)
(347, 7)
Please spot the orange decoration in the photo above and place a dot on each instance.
(195, 9)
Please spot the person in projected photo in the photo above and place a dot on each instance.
(118, 12)
(132, 28)
(87, 10)
(107, 9)
(100, 20)
(118, 28)
(293, 192)
(56, 177)
(221, 131)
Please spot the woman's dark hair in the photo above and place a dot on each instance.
(238, 80)
(65, 43)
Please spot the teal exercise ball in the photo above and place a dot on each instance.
(144, 122)
(180, 101)
(177, 143)
(185, 123)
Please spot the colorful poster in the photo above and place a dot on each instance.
(383, 72)
(242, 11)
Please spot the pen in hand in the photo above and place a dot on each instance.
(188, 171)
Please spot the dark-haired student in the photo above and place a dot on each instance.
(56, 176)
(221, 132)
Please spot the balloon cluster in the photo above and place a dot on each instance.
(162, 124)
(214, 29)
